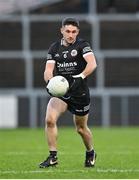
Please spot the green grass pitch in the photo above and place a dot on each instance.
(21, 151)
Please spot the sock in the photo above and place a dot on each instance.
(53, 153)
(90, 153)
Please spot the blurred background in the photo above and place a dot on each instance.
(28, 27)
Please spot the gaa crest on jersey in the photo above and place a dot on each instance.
(74, 52)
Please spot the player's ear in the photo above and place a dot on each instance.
(61, 30)
(78, 31)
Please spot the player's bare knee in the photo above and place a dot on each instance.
(50, 122)
(80, 129)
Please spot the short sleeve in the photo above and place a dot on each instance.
(50, 54)
(86, 48)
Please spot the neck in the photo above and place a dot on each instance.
(65, 43)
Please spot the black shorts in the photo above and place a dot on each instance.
(78, 105)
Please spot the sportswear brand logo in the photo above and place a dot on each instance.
(52, 162)
(92, 162)
(57, 55)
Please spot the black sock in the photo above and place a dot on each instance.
(90, 153)
(53, 153)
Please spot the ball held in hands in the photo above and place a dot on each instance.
(57, 86)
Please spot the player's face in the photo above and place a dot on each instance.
(69, 33)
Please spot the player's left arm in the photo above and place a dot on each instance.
(90, 67)
(91, 64)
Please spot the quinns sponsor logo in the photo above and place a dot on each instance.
(70, 64)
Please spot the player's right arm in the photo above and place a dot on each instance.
(50, 63)
(49, 69)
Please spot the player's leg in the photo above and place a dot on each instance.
(55, 108)
(84, 131)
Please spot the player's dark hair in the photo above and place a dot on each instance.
(70, 21)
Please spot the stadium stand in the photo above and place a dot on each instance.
(111, 27)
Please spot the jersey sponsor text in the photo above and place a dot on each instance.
(65, 64)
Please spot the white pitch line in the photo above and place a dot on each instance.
(43, 171)
(117, 170)
(16, 153)
(71, 171)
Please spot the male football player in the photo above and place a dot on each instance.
(72, 58)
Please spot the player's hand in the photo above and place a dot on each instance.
(77, 82)
(48, 89)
